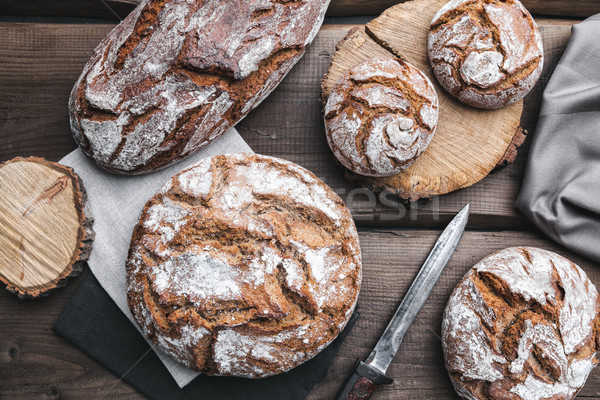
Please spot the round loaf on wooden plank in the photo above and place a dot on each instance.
(486, 53)
(521, 325)
(45, 223)
(381, 116)
(468, 144)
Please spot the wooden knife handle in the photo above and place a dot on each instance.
(363, 389)
(361, 384)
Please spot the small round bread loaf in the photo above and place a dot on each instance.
(487, 53)
(522, 324)
(380, 116)
(243, 265)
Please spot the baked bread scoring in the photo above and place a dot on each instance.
(243, 265)
(380, 116)
(522, 324)
(487, 53)
(176, 74)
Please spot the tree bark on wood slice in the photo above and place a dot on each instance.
(46, 226)
(468, 144)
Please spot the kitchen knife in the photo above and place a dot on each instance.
(369, 374)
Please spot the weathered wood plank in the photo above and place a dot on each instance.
(561, 8)
(34, 362)
(41, 62)
(105, 9)
(113, 9)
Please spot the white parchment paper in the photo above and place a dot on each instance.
(116, 203)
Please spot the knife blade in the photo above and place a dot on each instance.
(367, 375)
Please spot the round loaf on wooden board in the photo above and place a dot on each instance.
(521, 325)
(468, 143)
(244, 265)
(380, 116)
(176, 74)
(45, 224)
(487, 53)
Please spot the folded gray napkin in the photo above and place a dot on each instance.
(561, 189)
(116, 202)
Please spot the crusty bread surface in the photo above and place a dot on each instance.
(521, 325)
(487, 53)
(244, 265)
(380, 116)
(176, 74)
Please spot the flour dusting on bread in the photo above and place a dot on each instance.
(244, 265)
(380, 116)
(487, 53)
(521, 322)
(176, 74)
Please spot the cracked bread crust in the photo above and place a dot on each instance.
(523, 324)
(380, 116)
(243, 265)
(486, 53)
(176, 74)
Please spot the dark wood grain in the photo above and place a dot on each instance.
(561, 8)
(118, 9)
(104, 9)
(34, 362)
(37, 364)
(44, 60)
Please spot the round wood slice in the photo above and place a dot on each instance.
(468, 144)
(45, 223)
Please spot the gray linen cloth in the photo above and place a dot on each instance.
(561, 189)
(116, 202)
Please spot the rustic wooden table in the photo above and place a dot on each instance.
(39, 62)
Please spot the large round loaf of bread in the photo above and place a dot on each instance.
(176, 74)
(244, 265)
(522, 324)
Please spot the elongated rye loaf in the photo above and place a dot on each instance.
(176, 74)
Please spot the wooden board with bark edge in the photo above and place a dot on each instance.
(47, 229)
(468, 143)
